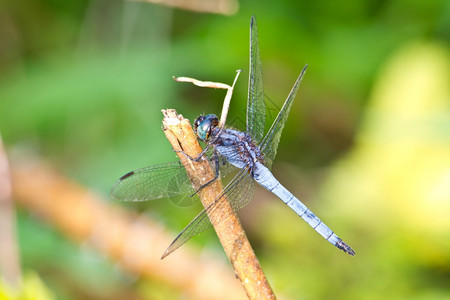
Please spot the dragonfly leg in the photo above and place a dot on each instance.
(196, 159)
(216, 175)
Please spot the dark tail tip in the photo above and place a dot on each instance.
(346, 248)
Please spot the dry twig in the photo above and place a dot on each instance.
(230, 232)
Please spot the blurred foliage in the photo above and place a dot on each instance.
(32, 289)
(392, 189)
(82, 84)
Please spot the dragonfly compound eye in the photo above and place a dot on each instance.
(198, 121)
(205, 126)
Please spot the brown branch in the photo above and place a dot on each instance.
(9, 257)
(134, 242)
(224, 7)
(230, 232)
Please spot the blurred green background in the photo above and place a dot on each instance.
(366, 146)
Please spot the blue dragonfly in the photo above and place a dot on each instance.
(250, 154)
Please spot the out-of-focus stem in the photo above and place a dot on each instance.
(9, 257)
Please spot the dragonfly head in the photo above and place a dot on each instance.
(204, 126)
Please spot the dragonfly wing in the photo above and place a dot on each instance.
(239, 192)
(256, 111)
(159, 181)
(270, 143)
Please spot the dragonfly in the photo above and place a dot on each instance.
(250, 154)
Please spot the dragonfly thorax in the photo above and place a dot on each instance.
(205, 125)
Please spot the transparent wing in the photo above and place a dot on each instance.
(159, 181)
(256, 112)
(270, 143)
(239, 192)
